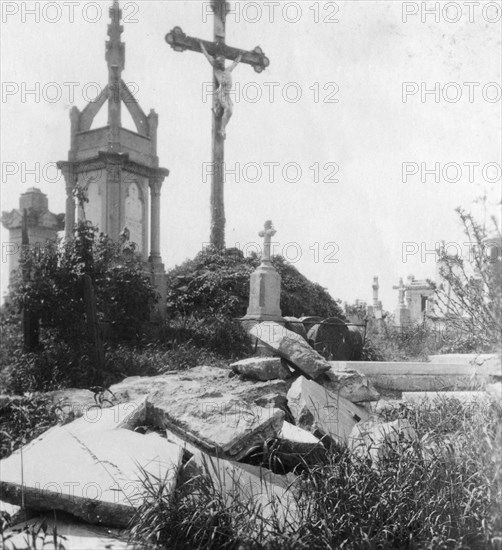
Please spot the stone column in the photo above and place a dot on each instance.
(70, 181)
(375, 288)
(155, 184)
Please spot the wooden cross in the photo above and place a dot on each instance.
(180, 42)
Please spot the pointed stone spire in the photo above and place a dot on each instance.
(115, 58)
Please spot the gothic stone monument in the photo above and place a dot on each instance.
(116, 169)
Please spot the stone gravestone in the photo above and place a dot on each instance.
(265, 285)
(264, 291)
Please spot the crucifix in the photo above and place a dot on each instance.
(216, 53)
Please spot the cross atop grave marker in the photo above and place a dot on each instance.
(401, 288)
(217, 52)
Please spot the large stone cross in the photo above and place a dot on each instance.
(217, 52)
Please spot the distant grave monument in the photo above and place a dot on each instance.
(414, 301)
(41, 224)
(374, 311)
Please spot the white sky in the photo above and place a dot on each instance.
(368, 133)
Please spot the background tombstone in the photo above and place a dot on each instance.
(41, 224)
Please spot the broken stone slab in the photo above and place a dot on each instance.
(71, 534)
(213, 421)
(316, 408)
(465, 358)
(293, 433)
(262, 368)
(438, 396)
(377, 440)
(292, 347)
(421, 376)
(123, 416)
(271, 393)
(96, 476)
(349, 384)
(271, 497)
(298, 446)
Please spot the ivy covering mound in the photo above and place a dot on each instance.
(218, 283)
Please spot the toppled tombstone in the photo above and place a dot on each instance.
(271, 393)
(213, 421)
(292, 347)
(377, 440)
(349, 384)
(297, 446)
(262, 368)
(315, 408)
(269, 496)
(92, 470)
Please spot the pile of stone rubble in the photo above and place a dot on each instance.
(179, 424)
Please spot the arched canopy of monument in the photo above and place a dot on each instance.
(100, 118)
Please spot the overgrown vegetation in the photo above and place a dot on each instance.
(23, 419)
(218, 283)
(470, 296)
(49, 284)
(442, 491)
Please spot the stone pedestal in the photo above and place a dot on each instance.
(402, 316)
(264, 295)
(158, 275)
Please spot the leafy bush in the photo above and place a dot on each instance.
(218, 283)
(49, 284)
(470, 294)
(24, 419)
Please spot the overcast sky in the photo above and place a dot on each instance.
(331, 101)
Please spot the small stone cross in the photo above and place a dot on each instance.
(267, 234)
(401, 289)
